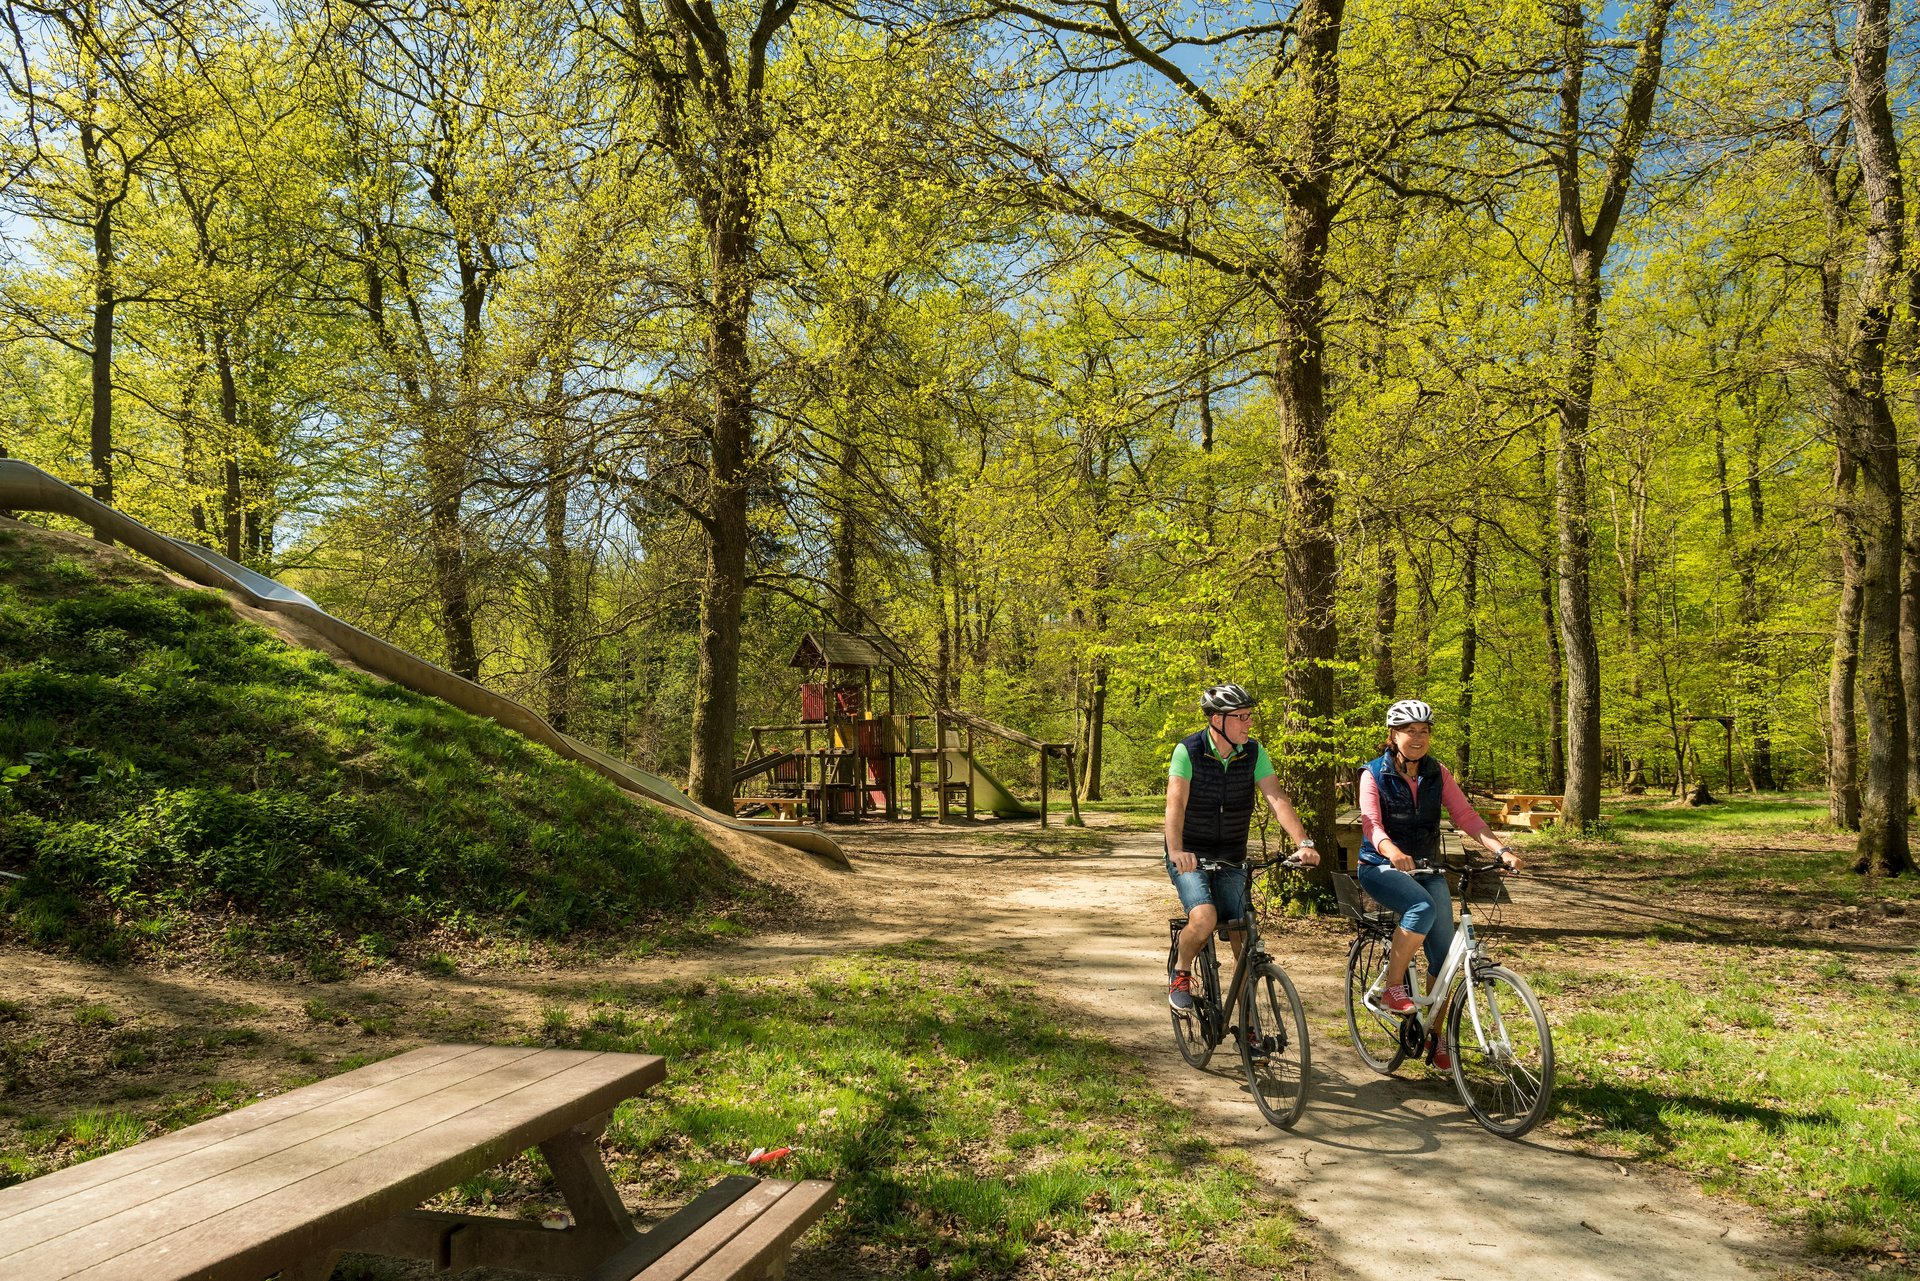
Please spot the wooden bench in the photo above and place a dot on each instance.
(289, 1183)
(738, 1228)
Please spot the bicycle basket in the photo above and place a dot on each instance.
(1357, 907)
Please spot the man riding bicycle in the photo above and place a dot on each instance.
(1211, 782)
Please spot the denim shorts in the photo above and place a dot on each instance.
(1225, 889)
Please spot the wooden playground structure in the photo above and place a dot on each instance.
(845, 760)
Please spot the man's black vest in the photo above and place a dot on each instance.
(1219, 801)
(1413, 825)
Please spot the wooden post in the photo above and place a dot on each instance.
(1073, 788)
(968, 758)
(1043, 787)
(940, 760)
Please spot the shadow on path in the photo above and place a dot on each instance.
(1397, 1180)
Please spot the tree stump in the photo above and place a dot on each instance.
(1701, 796)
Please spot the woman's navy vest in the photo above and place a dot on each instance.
(1413, 825)
(1219, 801)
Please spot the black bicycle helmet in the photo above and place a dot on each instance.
(1225, 698)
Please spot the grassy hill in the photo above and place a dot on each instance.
(176, 780)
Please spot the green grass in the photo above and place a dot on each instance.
(1776, 1063)
(39, 1145)
(1776, 1077)
(1135, 813)
(1780, 844)
(954, 1110)
(174, 779)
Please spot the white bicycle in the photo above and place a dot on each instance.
(1496, 1033)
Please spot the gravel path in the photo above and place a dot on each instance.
(1396, 1179)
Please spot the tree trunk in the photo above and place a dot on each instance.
(1843, 768)
(1556, 671)
(846, 535)
(1883, 810)
(105, 300)
(1096, 736)
(446, 467)
(1423, 611)
(723, 588)
(1576, 552)
(1310, 569)
(1910, 567)
(1386, 606)
(231, 497)
(1586, 246)
(565, 604)
(1760, 762)
(943, 630)
(1469, 643)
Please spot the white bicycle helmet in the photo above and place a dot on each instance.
(1225, 698)
(1409, 711)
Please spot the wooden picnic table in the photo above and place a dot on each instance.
(1528, 810)
(788, 809)
(289, 1183)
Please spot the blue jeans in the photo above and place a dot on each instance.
(1422, 901)
(1225, 889)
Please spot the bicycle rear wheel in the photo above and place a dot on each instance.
(1189, 1026)
(1502, 1051)
(1376, 1034)
(1273, 1045)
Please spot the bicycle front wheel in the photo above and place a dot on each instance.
(1189, 1032)
(1502, 1051)
(1376, 1034)
(1273, 1045)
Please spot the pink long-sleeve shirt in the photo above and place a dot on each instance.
(1465, 818)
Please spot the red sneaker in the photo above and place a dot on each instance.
(1396, 1000)
(1441, 1059)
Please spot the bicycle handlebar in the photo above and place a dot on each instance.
(1291, 863)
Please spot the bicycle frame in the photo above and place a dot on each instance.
(1250, 954)
(1217, 1023)
(1464, 952)
(1257, 1008)
(1478, 1006)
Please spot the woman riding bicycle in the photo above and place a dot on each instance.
(1211, 782)
(1401, 794)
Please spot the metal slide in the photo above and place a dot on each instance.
(24, 487)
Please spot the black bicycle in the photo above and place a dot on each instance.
(1259, 1009)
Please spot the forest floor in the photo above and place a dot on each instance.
(1390, 1176)
(1396, 1180)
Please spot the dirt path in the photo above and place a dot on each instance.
(1372, 1153)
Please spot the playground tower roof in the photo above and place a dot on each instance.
(846, 649)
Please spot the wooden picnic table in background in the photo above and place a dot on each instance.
(1528, 810)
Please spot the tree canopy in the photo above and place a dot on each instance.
(1558, 364)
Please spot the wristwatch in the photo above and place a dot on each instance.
(1308, 844)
